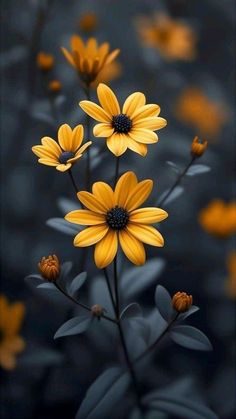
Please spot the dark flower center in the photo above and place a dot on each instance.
(121, 123)
(65, 155)
(117, 218)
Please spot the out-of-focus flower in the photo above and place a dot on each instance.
(113, 217)
(194, 108)
(67, 152)
(132, 127)
(89, 59)
(174, 39)
(11, 343)
(198, 148)
(88, 22)
(50, 267)
(54, 86)
(182, 301)
(97, 310)
(230, 283)
(219, 218)
(109, 72)
(45, 62)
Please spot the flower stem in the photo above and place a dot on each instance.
(116, 170)
(88, 167)
(73, 181)
(177, 182)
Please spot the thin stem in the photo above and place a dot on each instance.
(177, 182)
(73, 181)
(116, 170)
(88, 167)
(80, 304)
(109, 289)
(116, 290)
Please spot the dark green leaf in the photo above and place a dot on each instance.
(132, 310)
(190, 337)
(74, 326)
(192, 310)
(163, 303)
(64, 226)
(198, 169)
(77, 283)
(183, 408)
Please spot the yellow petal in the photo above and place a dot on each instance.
(95, 111)
(150, 123)
(103, 130)
(68, 56)
(15, 318)
(48, 162)
(41, 151)
(144, 136)
(83, 148)
(104, 193)
(124, 186)
(146, 234)
(139, 194)
(117, 143)
(133, 248)
(90, 236)
(77, 137)
(103, 50)
(106, 249)
(92, 202)
(137, 147)
(91, 47)
(15, 344)
(77, 44)
(133, 102)
(146, 111)
(148, 215)
(108, 100)
(85, 217)
(65, 137)
(7, 359)
(111, 57)
(63, 167)
(52, 145)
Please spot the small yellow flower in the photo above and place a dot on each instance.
(50, 267)
(11, 343)
(113, 217)
(110, 72)
(174, 39)
(230, 283)
(54, 86)
(182, 301)
(88, 22)
(219, 218)
(67, 152)
(89, 59)
(198, 148)
(45, 62)
(130, 127)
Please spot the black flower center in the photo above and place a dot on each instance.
(117, 218)
(65, 155)
(121, 123)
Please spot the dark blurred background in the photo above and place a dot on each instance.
(196, 97)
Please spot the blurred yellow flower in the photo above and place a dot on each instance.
(54, 86)
(88, 22)
(194, 108)
(110, 72)
(88, 58)
(45, 62)
(219, 218)
(230, 283)
(114, 217)
(11, 343)
(132, 127)
(174, 39)
(67, 152)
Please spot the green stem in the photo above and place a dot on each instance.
(73, 181)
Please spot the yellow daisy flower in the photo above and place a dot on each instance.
(114, 217)
(11, 318)
(132, 127)
(64, 154)
(89, 59)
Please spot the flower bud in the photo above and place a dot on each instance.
(50, 267)
(97, 310)
(54, 86)
(45, 62)
(198, 148)
(88, 22)
(182, 301)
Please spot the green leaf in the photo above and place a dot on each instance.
(163, 303)
(131, 310)
(77, 283)
(67, 205)
(198, 169)
(64, 226)
(74, 326)
(190, 337)
(183, 316)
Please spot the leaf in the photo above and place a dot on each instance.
(40, 357)
(65, 270)
(66, 205)
(63, 226)
(183, 316)
(77, 283)
(173, 196)
(74, 326)
(135, 339)
(48, 286)
(132, 310)
(173, 166)
(104, 394)
(33, 280)
(190, 337)
(163, 303)
(137, 279)
(198, 169)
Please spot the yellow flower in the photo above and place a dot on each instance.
(230, 283)
(132, 127)
(11, 343)
(50, 267)
(110, 72)
(89, 59)
(198, 148)
(88, 22)
(174, 39)
(45, 62)
(219, 218)
(114, 217)
(204, 115)
(62, 155)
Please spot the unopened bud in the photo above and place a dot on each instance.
(198, 148)
(45, 62)
(54, 86)
(88, 22)
(182, 301)
(97, 310)
(50, 267)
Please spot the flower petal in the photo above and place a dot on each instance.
(150, 123)
(108, 100)
(124, 186)
(52, 145)
(133, 102)
(146, 111)
(137, 147)
(111, 57)
(148, 215)
(132, 248)
(68, 56)
(92, 202)
(104, 193)
(90, 236)
(139, 194)
(63, 167)
(48, 162)
(77, 137)
(144, 136)
(146, 234)
(85, 217)
(117, 144)
(65, 137)
(106, 249)
(43, 152)
(83, 148)
(103, 130)
(95, 111)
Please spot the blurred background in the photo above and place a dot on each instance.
(181, 54)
